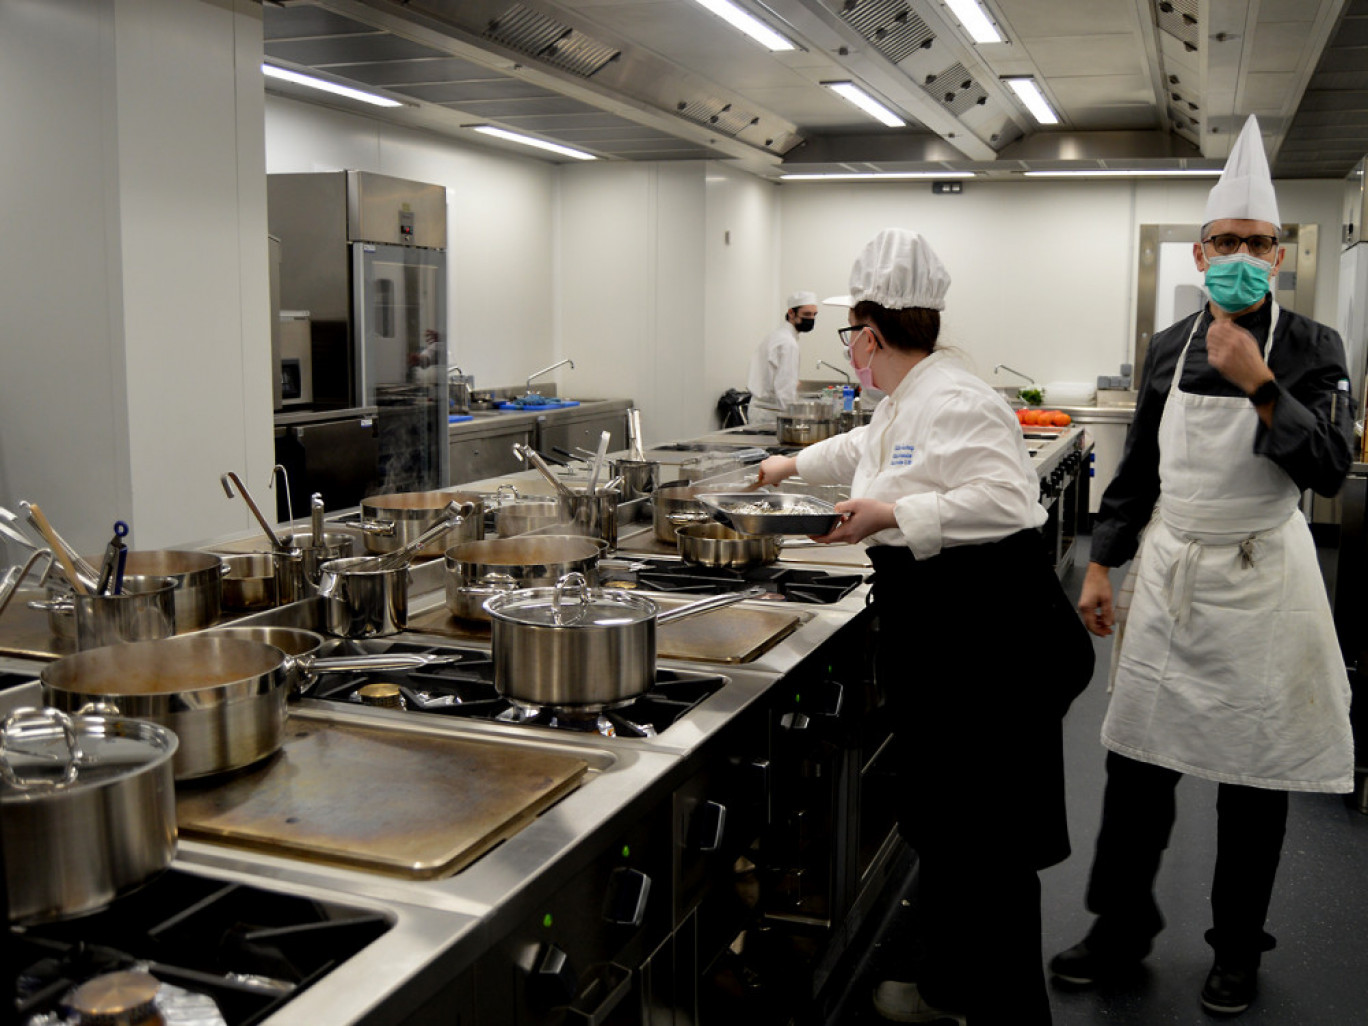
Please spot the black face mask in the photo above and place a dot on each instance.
(804, 324)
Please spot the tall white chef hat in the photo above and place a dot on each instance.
(801, 298)
(897, 269)
(1245, 189)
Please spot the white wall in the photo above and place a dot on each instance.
(501, 221)
(1043, 273)
(744, 294)
(135, 366)
(629, 276)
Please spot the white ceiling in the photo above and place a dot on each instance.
(1137, 83)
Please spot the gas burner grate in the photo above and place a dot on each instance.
(248, 950)
(783, 583)
(465, 688)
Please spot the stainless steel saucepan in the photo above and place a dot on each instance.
(717, 545)
(301, 648)
(392, 521)
(87, 810)
(478, 570)
(576, 646)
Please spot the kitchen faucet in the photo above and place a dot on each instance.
(832, 366)
(547, 370)
(1002, 366)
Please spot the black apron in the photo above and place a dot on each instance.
(980, 654)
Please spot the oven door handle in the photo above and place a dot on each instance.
(709, 826)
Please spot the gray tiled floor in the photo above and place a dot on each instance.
(1317, 976)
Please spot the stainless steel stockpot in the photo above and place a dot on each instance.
(720, 546)
(478, 570)
(576, 646)
(334, 545)
(676, 504)
(803, 423)
(87, 810)
(249, 582)
(392, 521)
(224, 697)
(144, 609)
(199, 582)
(523, 515)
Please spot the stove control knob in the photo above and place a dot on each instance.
(625, 903)
(707, 826)
(553, 983)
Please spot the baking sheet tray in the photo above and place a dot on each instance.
(396, 802)
(734, 635)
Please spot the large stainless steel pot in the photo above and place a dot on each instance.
(144, 609)
(249, 582)
(224, 697)
(199, 582)
(675, 505)
(478, 570)
(334, 545)
(392, 521)
(803, 423)
(718, 545)
(87, 810)
(576, 646)
(523, 515)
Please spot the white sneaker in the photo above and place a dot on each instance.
(902, 1002)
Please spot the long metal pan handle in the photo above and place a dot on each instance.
(266, 527)
(530, 455)
(14, 576)
(707, 605)
(392, 661)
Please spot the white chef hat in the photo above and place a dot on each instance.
(1245, 189)
(898, 269)
(801, 298)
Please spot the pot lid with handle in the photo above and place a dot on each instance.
(45, 752)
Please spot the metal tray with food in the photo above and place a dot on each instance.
(771, 512)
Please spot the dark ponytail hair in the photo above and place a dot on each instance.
(915, 328)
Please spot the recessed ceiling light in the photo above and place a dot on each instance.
(745, 22)
(1029, 93)
(975, 20)
(284, 74)
(852, 93)
(870, 175)
(1148, 172)
(528, 140)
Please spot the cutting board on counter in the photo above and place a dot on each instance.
(411, 805)
(731, 635)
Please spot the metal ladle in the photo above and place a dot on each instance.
(224, 480)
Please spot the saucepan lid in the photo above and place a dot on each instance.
(45, 751)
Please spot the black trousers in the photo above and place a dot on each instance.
(1137, 818)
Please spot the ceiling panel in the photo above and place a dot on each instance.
(1094, 59)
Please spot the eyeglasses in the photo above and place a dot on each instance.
(1258, 245)
(847, 335)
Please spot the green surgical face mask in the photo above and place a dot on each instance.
(1238, 281)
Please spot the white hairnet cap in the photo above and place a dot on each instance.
(845, 301)
(1245, 189)
(898, 269)
(802, 299)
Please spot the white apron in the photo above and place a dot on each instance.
(1229, 667)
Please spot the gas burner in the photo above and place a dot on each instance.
(781, 583)
(465, 687)
(246, 950)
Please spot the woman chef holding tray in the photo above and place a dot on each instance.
(945, 496)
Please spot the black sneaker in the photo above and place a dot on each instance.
(1083, 966)
(1229, 988)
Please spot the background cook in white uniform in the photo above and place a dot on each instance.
(773, 377)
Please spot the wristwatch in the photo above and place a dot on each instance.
(1265, 393)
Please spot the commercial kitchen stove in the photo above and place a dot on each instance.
(782, 582)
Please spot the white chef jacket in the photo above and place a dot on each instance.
(773, 377)
(947, 451)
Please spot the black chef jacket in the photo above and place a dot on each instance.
(1310, 438)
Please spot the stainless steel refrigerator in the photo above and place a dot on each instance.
(365, 255)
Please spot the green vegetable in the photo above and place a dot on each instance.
(1031, 396)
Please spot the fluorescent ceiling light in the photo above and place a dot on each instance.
(747, 23)
(1127, 173)
(851, 175)
(1029, 93)
(852, 93)
(271, 71)
(540, 144)
(975, 20)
